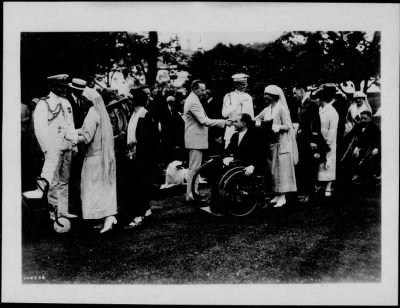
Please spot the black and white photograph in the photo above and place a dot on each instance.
(200, 153)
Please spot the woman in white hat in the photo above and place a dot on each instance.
(283, 153)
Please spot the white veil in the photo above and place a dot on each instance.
(277, 91)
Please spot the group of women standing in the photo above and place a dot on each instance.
(98, 177)
(283, 153)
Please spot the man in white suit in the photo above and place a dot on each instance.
(52, 118)
(236, 102)
(196, 130)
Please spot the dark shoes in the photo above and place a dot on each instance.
(303, 198)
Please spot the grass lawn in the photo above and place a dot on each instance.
(327, 241)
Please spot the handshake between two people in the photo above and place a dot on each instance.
(229, 122)
(72, 135)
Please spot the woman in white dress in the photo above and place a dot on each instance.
(98, 180)
(329, 125)
(283, 153)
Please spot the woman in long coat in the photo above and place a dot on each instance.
(283, 153)
(98, 179)
(329, 126)
(141, 162)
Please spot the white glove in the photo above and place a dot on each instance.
(296, 128)
(227, 160)
(276, 128)
(328, 164)
(249, 170)
(72, 135)
(375, 151)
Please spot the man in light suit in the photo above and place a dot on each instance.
(196, 130)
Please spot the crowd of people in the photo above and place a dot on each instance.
(312, 142)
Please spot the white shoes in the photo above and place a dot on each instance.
(274, 200)
(108, 223)
(67, 215)
(280, 201)
(202, 180)
(137, 221)
(208, 210)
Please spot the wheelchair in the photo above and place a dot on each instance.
(238, 195)
(36, 211)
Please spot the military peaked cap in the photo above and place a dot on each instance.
(58, 79)
(240, 77)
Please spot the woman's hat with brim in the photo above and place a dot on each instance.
(78, 84)
(327, 90)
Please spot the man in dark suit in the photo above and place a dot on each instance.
(361, 159)
(177, 125)
(80, 106)
(309, 128)
(79, 103)
(245, 145)
(172, 130)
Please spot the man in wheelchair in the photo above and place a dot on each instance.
(246, 145)
(247, 148)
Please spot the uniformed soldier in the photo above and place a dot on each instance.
(236, 102)
(52, 118)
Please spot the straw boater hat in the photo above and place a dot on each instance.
(78, 84)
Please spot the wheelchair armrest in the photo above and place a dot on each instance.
(216, 156)
(46, 184)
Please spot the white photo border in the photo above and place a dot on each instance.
(199, 17)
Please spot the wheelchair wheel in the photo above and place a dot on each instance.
(202, 181)
(62, 225)
(226, 176)
(239, 196)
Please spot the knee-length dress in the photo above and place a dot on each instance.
(329, 126)
(281, 156)
(99, 195)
